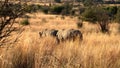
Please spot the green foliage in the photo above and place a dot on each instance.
(88, 2)
(57, 1)
(9, 11)
(97, 15)
(112, 10)
(117, 16)
(82, 9)
(89, 15)
(64, 9)
(67, 8)
(45, 9)
(32, 8)
(56, 9)
(72, 12)
(25, 22)
(79, 0)
(91, 2)
(79, 24)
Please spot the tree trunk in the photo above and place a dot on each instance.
(104, 27)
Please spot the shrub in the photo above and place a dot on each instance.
(82, 9)
(97, 15)
(9, 11)
(72, 12)
(45, 9)
(90, 3)
(89, 15)
(25, 22)
(112, 11)
(32, 8)
(79, 17)
(28, 9)
(79, 24)
(57, 1)
(56, 9)
(62, 17)
(67, 8)
(117, 16)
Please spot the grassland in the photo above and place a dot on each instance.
(97, 50)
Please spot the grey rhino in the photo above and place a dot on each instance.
(46, 32)
(76, 34)
(68, 34)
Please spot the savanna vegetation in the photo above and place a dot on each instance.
(22, 47)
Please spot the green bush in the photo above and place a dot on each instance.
(82, 10)
(89, 15)
(45, 9)
(67, 8)
(62, 17)
(112, 10)
(25, 22)
(56, 9)
(79, 24)
(57, 1)
(72, 12)
(117, 16)
(32, 8)
(90, 3)
(97, 15)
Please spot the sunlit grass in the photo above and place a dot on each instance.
(97, 50)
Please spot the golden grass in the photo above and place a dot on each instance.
(97, 50)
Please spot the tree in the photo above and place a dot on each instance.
(79, 0)
(56, 9)
(8, 13)
(67, 8)
(97, 15)
(91, 2)
(117, 16)
(58, 1)
(112, 10)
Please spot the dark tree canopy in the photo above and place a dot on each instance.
(91, 2)
(58, 1)
(8, 13)
(117, 16)
(97, 15)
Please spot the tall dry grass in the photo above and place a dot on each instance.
(97, 50)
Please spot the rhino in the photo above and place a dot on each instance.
(68, 34)
(76, 34)
(46, 32)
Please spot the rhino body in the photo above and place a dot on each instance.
(71, 35)
(62, 35)
(47, 32)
